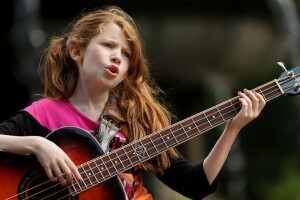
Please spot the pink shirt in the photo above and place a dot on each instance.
(54, 114)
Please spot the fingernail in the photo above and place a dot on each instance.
(245, 90)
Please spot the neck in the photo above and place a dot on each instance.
(90, 103)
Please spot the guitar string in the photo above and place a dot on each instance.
(145, 144)
(97, 182)
(104, 163)
(90, 186)
(167, 148)
(108, 168)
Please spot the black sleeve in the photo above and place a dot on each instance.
(23, 124)
(189, 180)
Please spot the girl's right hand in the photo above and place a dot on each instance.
(57, 165)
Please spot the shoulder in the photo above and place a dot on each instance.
(53, 114)
(50, 113)
(44, 104)
(47, 107)
(22, 124)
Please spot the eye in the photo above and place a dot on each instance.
(107, 44)
(127, 54)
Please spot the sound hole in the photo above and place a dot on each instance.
(36, 186)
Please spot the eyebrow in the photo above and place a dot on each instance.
(127, 48)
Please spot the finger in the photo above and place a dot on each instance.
(74, 170)
(244, 109)
(251, 95)
(244, 96)
(254, 100)
(59, 175)
(262, 101)
(49, 173)
(247, 102)
(66, 172)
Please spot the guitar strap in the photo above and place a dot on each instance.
(109, 126)
(113, 134)
(107, 131)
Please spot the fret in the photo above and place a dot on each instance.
(146, 146)
(139, 150)
(201, 122)
(279, 86)
(262, 94)
(180, 134)
(87, 176)
(157, 152)
(213, 116)
(120, 160)
(189, 127)
(199, 131)
(99, 170)
(103, 167)
(96, 170)
(91, 174)
(115, 162)
(207, 119)
(133, 157)
(110, 167)
(72, 188)
(232, 105)
(221, 114)
(269, 90)
(168, 136)
(160, 142)
(274, 94)
(83, 184)
(173, 135)
(127, 162)
(187, 136)
(228, 110)
(164, 136)
(149, 146)
(77, 184)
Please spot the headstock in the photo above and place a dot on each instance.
(289, 80)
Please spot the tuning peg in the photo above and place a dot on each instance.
(282, 65)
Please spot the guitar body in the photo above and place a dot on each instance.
(23, 175)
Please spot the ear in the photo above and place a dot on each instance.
(76, 53)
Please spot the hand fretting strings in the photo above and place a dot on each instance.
(236, 106)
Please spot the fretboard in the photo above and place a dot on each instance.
(124, 158)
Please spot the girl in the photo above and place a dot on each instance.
(96, 77)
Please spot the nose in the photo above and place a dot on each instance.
(116, 60)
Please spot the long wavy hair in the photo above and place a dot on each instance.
(137, 95)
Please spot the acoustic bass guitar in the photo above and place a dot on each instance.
(22, 178)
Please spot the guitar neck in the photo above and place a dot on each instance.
(122, 159)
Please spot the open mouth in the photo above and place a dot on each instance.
(113, 69)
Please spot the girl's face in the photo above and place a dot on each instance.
(106, 58)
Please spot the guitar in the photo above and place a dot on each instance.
(23, 178)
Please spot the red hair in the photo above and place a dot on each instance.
(137, 94)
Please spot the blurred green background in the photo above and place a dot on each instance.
(201, 52)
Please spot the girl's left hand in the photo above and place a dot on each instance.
(252, 105)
